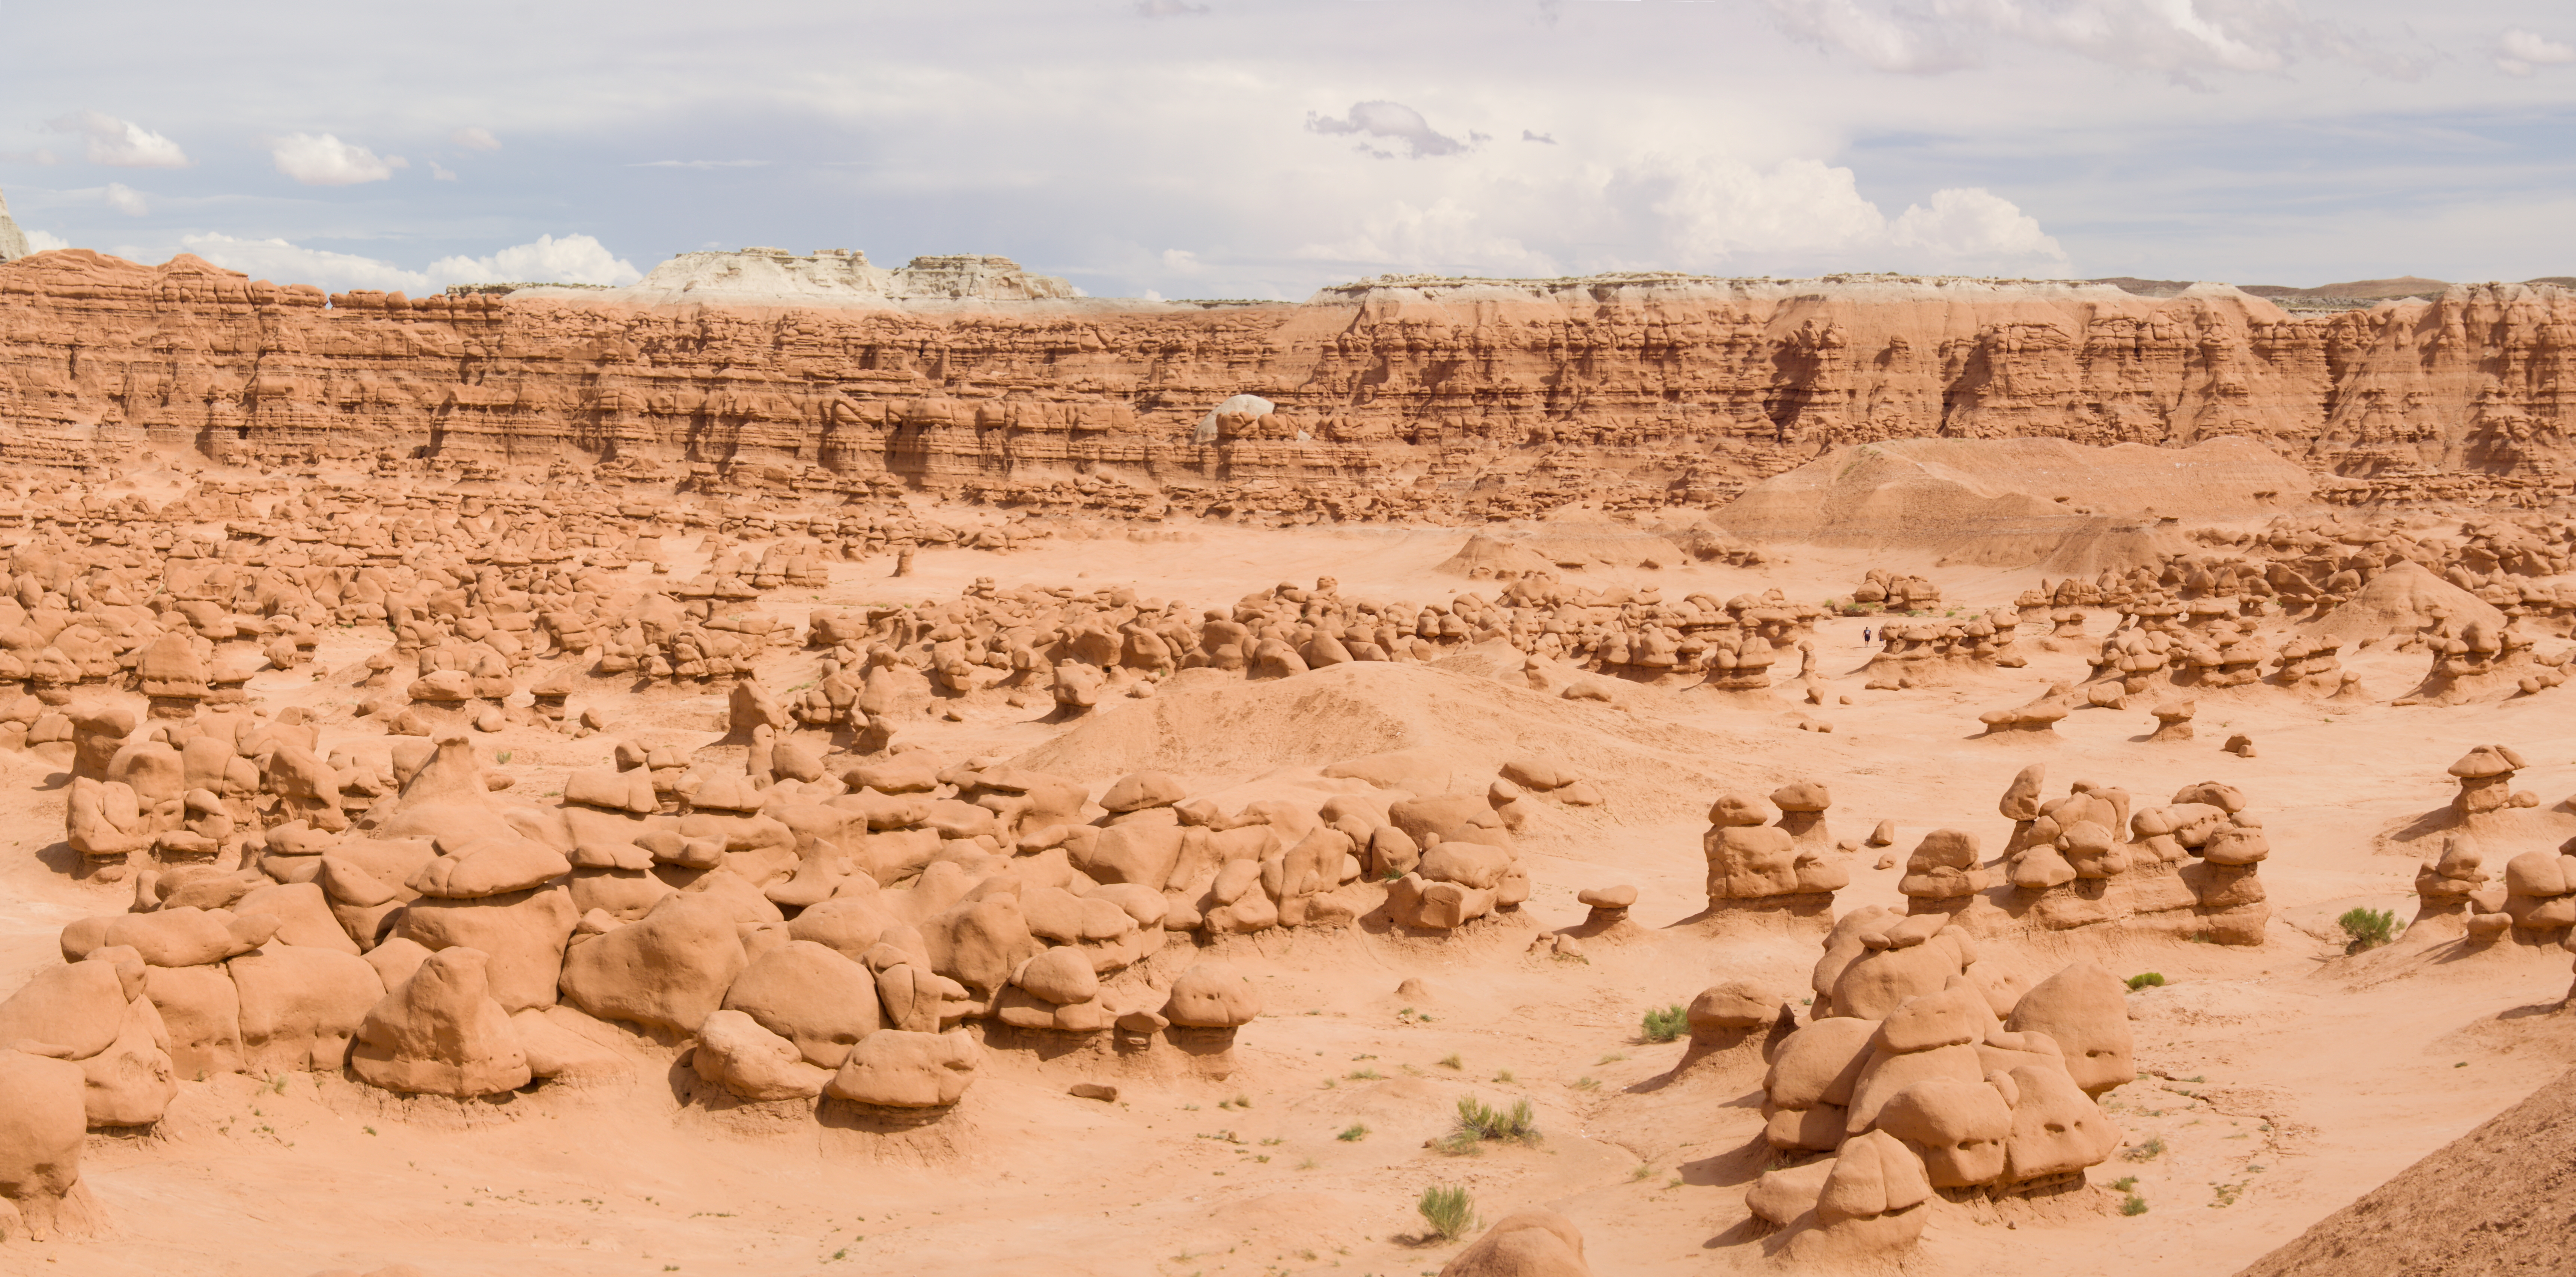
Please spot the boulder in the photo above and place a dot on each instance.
(440, 1033)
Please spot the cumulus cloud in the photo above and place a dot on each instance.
(1391, 120)
(1806, 215)
(40, 242)
(125, 199)
(440, 172)
(108, 140)
(1181, 261)
(2181, 38)
(2519, 52)
(325, 160)
(1972, 230)
(1528, 136)
(1445, 236)
(286, 263)
(475, 139)
(573, 259)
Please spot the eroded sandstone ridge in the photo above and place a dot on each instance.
(1393, 395)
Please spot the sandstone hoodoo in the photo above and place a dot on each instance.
(1379, 781)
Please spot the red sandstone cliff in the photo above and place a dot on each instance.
(1531, 391)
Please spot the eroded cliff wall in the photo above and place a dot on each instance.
(1642, 389)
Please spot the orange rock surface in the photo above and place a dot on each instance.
(1647, 389)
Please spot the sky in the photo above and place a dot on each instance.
(1266, 148)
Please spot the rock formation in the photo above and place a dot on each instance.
(1758, 380)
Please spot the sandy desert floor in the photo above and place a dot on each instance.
(2276, 1082)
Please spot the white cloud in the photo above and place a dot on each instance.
(2520, 51)
(40, 242)
(1168, 8)
(327, 161)
(285, 263)
(574, 259)
(1528, 136)
(475, 139)
(1974, 231)
(125, 199)
(108, 140)
(1899, 40)
(1442, 237)
(2181, 38)
(1804, 215)
(1181, 261)
(1718, 211)
(440, 172)
(1388, 120)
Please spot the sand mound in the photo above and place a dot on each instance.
(2008, 501)
(2496, 1200)
(1370, 707)
(2401, 600)
(1482, 551)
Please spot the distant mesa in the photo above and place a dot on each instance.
(13, 242)
(2400, 288)
(835, 277)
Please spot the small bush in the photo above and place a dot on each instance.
(2150, 980)
(1450, 1062)
(2147, 1152)
(2133, 1205)
(1354, 1133)
(2369, 928)
(1449, 1211)
(1667, 1024)
(2125, 1184)
(1478, 1122)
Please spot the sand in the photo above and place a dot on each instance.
(2278, 1083)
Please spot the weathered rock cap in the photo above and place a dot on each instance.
(2488, 760)
(1618, 897)
(1803, 795)
(1736, 809)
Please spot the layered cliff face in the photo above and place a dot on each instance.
(1644, 389)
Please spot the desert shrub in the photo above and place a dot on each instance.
(1479, 1122)
(2148, 980)
(2369, 928)
(1449, 1211)
(1666, 1024)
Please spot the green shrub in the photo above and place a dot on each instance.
(1479, 1122)
(2147, 981)
(2133, 1205)
(1667, 1024)
(2369, 928)
(1449, 1211)
(1354, 1133)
